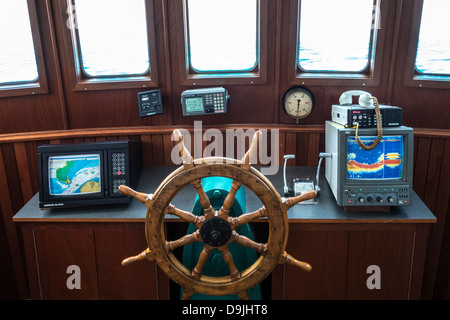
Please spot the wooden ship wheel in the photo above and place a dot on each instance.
(215, 228)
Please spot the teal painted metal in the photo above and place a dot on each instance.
(216, 189)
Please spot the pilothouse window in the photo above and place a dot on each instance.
(17, 55)
(222, 35)
(112, 36)
(336, 36)
(433, 50)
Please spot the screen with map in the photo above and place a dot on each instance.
(384, 162)
(74, 175)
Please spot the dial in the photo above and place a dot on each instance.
(298, 102)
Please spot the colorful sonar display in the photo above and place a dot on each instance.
(385, 161)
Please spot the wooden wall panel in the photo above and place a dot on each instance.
(392, 254)
(64, 108)
(53, 261)
(431, 169)
(112, 245)
(44, 111)
(333, 246)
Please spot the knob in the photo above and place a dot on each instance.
(370, 199)
(361, 199)
(380, 199)
(390, 199)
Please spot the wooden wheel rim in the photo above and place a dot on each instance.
(252, 179)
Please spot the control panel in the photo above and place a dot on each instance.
(204, 101)
(376, 196)
(119, 168)
(365, 117)
(302, 185)
(150, 103)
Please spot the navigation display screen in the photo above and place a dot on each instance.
(74, 174)
(194, 104)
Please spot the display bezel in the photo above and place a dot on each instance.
(408, 141)
(48, 197)
(384, 167)
(73, 157)
(198, 98)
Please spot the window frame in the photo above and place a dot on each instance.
(412, 77)
(84, 82)
(189, 77)
(370, 76)
(40, 85)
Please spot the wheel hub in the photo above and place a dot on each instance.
(215, 232)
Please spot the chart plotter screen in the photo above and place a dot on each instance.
(74, 174)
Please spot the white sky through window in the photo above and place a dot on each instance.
(17, 55)
(222, 34)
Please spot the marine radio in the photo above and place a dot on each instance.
(365, 117)
(204, 101)
(365, 114)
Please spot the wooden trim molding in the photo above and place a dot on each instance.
(130, 131)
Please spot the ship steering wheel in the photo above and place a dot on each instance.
(215, 228)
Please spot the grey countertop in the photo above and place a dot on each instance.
(324, 210)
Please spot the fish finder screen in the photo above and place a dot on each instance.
(384, 162)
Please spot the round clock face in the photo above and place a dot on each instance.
(298, 102)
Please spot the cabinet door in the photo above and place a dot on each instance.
(136, 281)
(388, 255)
(326, 252)
(57, 249)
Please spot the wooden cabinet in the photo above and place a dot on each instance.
(339, 245)
(97, 250)
(349, 259)
(340, 255)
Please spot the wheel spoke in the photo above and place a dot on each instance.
(245, 162)
(229, 199)
(183, 241)
(246, 242)
(185, 155)
(187, 294)
(227, 256)
(185, 216)
(246, 218)
(287, 258)
(203, 198)
(290, 202)
(197, 271)
(243, 295)
(147, 254)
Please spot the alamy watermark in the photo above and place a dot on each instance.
(376, 16)
(74, 280)
(374, 280)
(234, 146)
(71, 21)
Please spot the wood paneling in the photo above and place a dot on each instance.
(392, 252)
(332, 261)
(18, 173)
(64, 108)
(112, 245)
(53, 261)
(53, 117)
